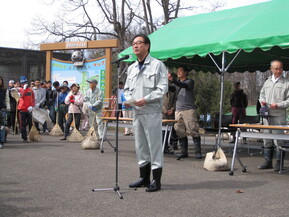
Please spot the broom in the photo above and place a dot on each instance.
(91, 131)
(16, 96)
(56, 130)
(34, 135)
(75, 134)
(91, 140)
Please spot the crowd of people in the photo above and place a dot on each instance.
(64, 104)
(149, 95)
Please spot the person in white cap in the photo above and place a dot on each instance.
(94, 101)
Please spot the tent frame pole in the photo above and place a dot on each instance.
(222, 70)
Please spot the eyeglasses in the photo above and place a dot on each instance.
(137, 43)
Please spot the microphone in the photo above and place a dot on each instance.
(121, 59)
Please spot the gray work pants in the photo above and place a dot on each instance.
(96, 122)
(274, 120)
(148, 139)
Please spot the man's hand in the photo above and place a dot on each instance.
(92, 108)
(170, 77)
(126, 105)
(30, 108)
(170, 112)
(263, 103)
(273, 106)
(140, 102)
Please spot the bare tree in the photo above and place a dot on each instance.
(99, 19)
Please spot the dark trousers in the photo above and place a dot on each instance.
(25, 119)
(52, 113)
(62, 111)
(11, 119)
(77, 117)
(238, 113)
(44, 126)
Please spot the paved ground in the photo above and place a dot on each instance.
(54, 178)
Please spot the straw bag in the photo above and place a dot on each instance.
(216, 161)
(91, 142)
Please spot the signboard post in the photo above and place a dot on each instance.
(103, 71)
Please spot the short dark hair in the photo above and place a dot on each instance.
(37, 79)
(145, 38)
(120, 83)
(184, 68)
(237, 83)
(55, 84)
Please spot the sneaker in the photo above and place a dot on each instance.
(64, 138)
(25, 140)
(46, 132)
(1, 146)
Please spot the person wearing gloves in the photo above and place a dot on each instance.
(274, 100)
(40, 100)
(94, 100)
(145, 86)
(4, 105)
(74, 100)
(25, 106)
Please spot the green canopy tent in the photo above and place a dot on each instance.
(239, 39)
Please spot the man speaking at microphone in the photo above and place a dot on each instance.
(147, 82)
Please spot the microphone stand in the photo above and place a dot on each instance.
(116, 187)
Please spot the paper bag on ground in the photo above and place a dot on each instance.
(216, 161)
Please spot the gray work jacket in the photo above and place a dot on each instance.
(150, 82)
(278, 93)
(94, 98)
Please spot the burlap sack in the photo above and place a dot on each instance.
(91, 142)
(216, 161)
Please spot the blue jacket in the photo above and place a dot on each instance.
(61, 97)
(123, 100)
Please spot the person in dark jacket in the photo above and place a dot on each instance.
(185, 113)
(62, 107)
(11, 112)
(51, 97)
(4, 104)
(239, 103)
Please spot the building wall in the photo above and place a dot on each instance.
(31, 63)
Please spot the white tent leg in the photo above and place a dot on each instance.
(222, 70)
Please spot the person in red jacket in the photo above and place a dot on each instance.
(26, 103)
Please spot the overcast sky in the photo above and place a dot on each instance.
(16, 17)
